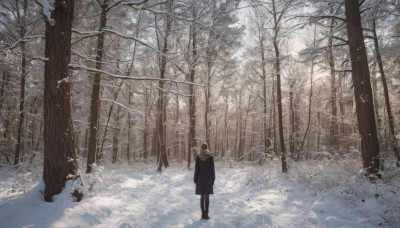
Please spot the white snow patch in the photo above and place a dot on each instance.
(48, 7)
(244, 197)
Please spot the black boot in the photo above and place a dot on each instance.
(203, 212)
(206, 211)
(206, 215)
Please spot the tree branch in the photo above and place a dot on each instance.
(77, 66)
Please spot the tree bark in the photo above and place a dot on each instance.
(341, 105)
(192, 98)
(128, 149)
(19, 147)
(264, 76)
(115, 154)
(59, 151)
(362, 89)
(275, 140)
(291, 118)
(2, 96)
(161, 108)
(393, 140)
(95, 102)
(333, 133)
(278, 89)
(146, 125)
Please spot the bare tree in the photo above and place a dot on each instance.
(374, 37)
(95, 101)
(21, 19)
(161, 104)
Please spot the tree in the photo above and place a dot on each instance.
(95, 102)
(191, 77)
(279, 11)
(59, 151)
(333, 133)
(374, 37)
(362, 89)
(161, 104)
(21, 19)
(261, 33)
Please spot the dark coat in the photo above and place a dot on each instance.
(204, 176)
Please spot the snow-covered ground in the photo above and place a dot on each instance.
(244, 197)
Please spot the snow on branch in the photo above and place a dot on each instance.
(136, 3)
(77, 66)
(314, 18)
(84, 34)
(142, 43)
(25, 39)
(123, 106)
(47, 6)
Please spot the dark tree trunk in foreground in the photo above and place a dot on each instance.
(59, 151)
(95, 102)
(362, 89)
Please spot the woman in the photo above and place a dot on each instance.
(204, 177)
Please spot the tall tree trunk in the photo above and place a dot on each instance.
(110, 112)
(59, 151)
(95, 102)
(341, 105)
(165, 157)
(115, 154)
(291, 118)
(8, 111)
(161, 108)
(275, 140)
(31, 125)
(296, 124)
(237, 131)
(207, 118)
(146, 125)
(242, 138)
(129, 126)
(374, 85)
(2, 95)
(177, 129)
(19, 147)
(209, 56)
(362, 89)
(393, 140)
(192, 98)
(318, 130)
(309, 101)
(264, 76)
(278, 89)
(333, 133)
(225, 138)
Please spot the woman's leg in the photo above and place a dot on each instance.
(206, 201)
(202, 202)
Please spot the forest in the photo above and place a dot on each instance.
(107, 103)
